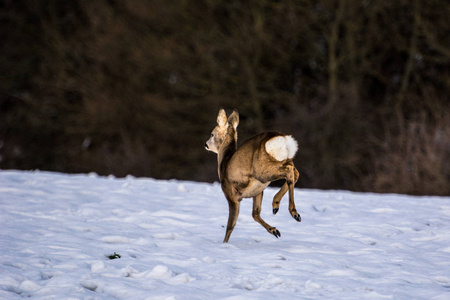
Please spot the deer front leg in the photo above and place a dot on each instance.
(233, 206)
(292, 179)
(256, 213)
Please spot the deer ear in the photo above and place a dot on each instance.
(233, 119)
(222, 118)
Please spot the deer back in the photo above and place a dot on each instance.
(252, 160)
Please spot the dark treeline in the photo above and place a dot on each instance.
(133, 87)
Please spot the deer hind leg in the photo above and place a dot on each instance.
(233, 206)
(277, 198)
(256, 213)
(291, 180)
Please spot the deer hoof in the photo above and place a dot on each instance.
(275, 210)
(295, 215)
(275, 232)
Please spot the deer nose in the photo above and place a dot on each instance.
(206, 146)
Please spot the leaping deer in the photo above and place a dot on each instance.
(247, 171)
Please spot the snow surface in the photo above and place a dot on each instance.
(56, 231)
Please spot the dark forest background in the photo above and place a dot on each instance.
(133, 87)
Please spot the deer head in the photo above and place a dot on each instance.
(224, 132)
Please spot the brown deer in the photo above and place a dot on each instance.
(247, 171)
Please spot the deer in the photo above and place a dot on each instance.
(246, 171)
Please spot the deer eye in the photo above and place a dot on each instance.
(212, 134)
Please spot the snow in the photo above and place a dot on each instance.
(57, 231)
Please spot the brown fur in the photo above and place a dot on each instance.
(246, 172)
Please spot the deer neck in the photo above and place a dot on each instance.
(227, 150)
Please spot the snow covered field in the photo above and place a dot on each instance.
(57, 231)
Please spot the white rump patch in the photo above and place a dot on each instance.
(282, 147)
